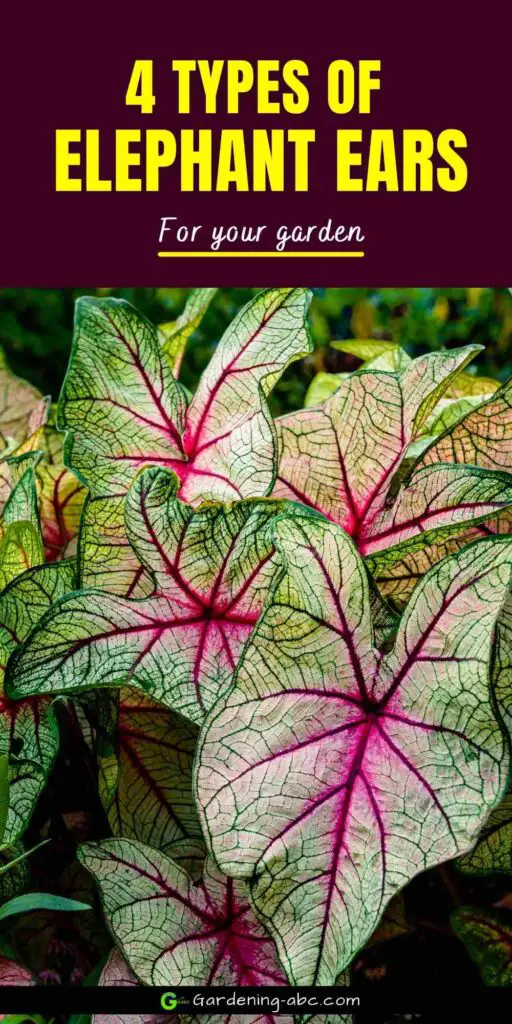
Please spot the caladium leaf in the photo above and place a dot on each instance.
(211, 567)
(333, 775)
(21, 504)
(467, 384)
(12, 973)
(483, 437)
(449, 411)
(116, 972)
(174, 931)
(175, 335)
(342, 459)
(322, 387)
(20, 549)
(492, 853)
(151, 795)
(438, 497)
(21, 543)
(28, 732)
(487, 936)
(397, 571)
(124, 410)
(105, 557)
(60, 496)
(366, 350)
(22, 409)
(502, 675)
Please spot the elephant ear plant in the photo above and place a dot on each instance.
(287, 643)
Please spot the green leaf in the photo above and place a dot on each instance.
(4, 794)
(365, 350)
(487, 936)
(22, 505)
(322, 387)
(20, 549)
(28, 731)
(105, 557)
(492, 853)
(331, 775)
(211, 567)
(176, 334)
(39, 901)
(124, 410)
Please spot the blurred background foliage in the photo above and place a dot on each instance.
(36, 328)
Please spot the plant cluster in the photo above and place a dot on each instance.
(287, 642)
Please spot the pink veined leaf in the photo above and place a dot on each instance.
(188, 933)
(341, 459)
(117, 972)
(439, 498)
(146, 784)
(397, 571)
(124, 410)
(12, 973)
(332, 774)
(211, 568)
(60, 497)
(502, 675)
(22, 409)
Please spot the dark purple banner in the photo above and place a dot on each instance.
(234, 144)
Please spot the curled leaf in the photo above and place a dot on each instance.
(211, 568)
